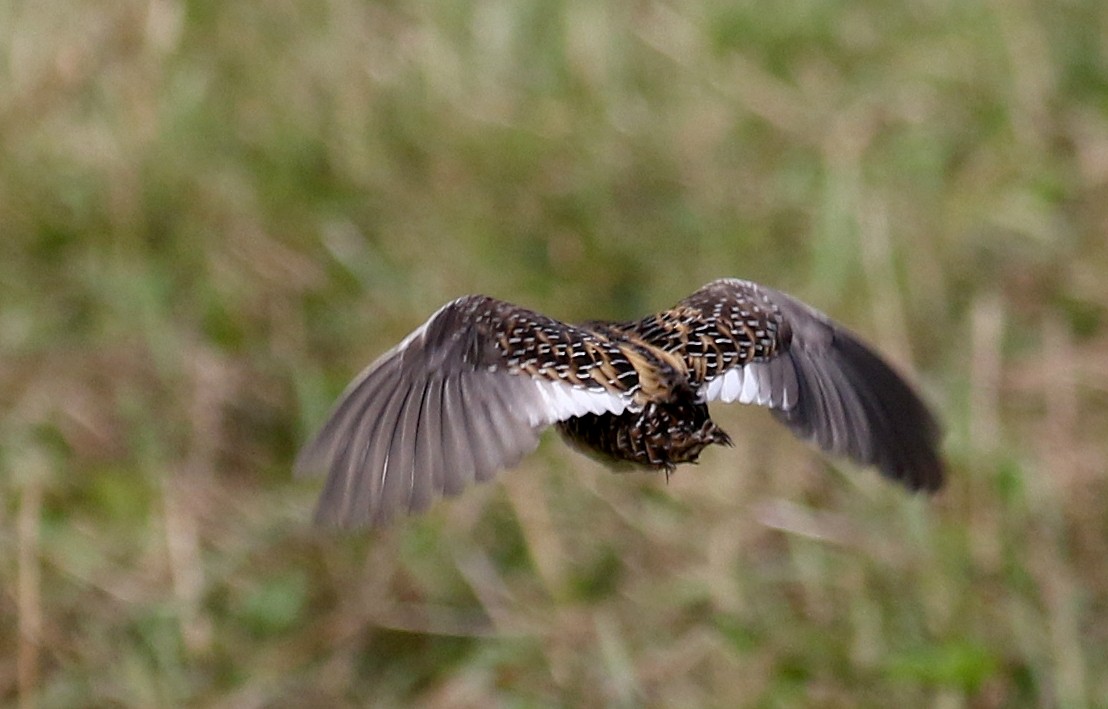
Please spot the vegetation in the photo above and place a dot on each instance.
(214, 214)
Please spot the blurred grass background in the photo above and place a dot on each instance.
(212, 215)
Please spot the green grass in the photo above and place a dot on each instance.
(212, 215)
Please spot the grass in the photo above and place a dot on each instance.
(214, 214)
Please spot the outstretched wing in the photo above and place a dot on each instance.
(748, 343)
(464, 396)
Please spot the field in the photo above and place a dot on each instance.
(213, 215)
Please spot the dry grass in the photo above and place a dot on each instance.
(213, 214)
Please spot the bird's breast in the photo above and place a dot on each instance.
(660, 436)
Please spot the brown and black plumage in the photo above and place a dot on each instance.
(470, 391)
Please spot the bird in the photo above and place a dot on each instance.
(469, 392)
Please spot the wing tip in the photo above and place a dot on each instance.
(853, 403)
(309, 463)
(927, 476)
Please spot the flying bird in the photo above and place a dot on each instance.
(469, 392)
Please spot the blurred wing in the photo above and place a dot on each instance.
(756, 345)
(464, 396)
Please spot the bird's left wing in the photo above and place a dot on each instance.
(464, 396)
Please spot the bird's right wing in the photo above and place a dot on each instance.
(755, 345)
(464, 396)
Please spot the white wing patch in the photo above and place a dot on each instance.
(771, 384)
(561, 401)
